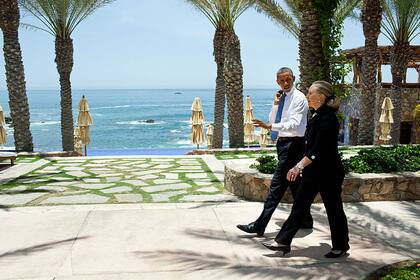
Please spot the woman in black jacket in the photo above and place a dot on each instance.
(322, 171)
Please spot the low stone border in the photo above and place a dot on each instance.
(249, 184)
(376, 275)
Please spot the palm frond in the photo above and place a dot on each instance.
(273, 10)
(62, 17)
(345, 9)
(401, 20)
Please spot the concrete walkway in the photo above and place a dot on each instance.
(195, 241)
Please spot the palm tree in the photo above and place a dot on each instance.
(212, 10)
(223, 14)
(60, 19)
(301, 19)
(15, 74)
(371, 19)
(400, 25)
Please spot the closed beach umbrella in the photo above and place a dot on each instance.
(77, 141)
(84, 120)
(197, 122)
(263, 138)
(3, 133)
(248, 117)
(386, 119)
(209, 135)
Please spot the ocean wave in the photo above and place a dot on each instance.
(42, 123)
(175, 131)
(184, 142)
(141, 122)
(110, 107)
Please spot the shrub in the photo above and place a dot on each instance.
(385, 159)
(405, 273)
(266, 164)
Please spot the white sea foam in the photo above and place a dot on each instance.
(110, 107)
(142, 122)
(42, 123)
(184, 142)
(175, 131)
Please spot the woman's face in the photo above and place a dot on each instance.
(315, 99)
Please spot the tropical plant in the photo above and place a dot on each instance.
(371, 19)
(317, 25)
(223, 15)
(15, 75)
(60, 19)
(400, 24)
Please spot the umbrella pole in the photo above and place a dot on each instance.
(198, 146)
(85, 150)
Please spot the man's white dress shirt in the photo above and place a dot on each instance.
(294, 116)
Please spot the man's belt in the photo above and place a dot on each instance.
(289, 138)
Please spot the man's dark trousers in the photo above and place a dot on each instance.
(290, 151)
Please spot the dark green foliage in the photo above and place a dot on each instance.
(266, 164)
(405, 273)
(385, 159)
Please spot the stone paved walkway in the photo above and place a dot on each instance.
(111, 180)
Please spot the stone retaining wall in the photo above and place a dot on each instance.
(251, 185)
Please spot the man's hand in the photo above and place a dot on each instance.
(258, 123)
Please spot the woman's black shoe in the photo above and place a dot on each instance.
(333, 255)
(275, 246)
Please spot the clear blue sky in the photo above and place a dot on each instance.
(162, 44)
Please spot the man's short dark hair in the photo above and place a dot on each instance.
(285, 69)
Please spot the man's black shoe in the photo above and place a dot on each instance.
(307, 226)
(250, 228)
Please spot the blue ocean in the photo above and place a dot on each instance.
(128, 119)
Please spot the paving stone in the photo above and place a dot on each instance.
(78, 174)
(117, 190)
(162, 166)
(91, 180)
(46, 172)
(149, 176)
(93, 165)
(113, 179)
(76, 199)
(144, 172)
(196, 176)
(76, 192)
(190, 167)
(203, 183)
(130, 197)
(110, 175)
(144, 165)
(94, 186)
(161, 159)
(165, 181)
(158, 188)
(60, 163)
(64, 183)
(16, 189)
(102, 171)
(61, 179)
(52, 189)
(203, 198)
(33, 181)
(183, 171)
(170, 175)
(18, 199)
(208, 189)
(73, 168)
(50, 168)
(135, 182)
(163, 197)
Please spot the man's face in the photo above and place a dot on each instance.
(285, 81)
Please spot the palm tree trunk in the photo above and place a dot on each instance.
(399, 60)
(64, 61)
(233, 73)
(220, 92)
(371, 18)
(310, 46)
(15, 75)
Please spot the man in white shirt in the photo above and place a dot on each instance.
(287, 122)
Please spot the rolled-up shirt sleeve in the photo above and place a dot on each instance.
(296, 116)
